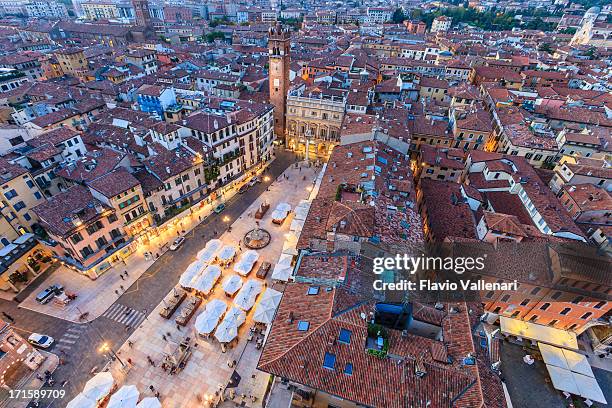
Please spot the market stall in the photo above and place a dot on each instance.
(190, 273)
(207, 320)
(245, 299)
(226, 254)
(99, 386)
(207, 254)
(246, 262)
(125, 397)
(81, 401)
(228, 329)
(282, 270)
(265, 310)
(232, 284)
(204, 282)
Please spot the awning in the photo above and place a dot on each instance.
(207, 254)
(264, 313)
(578, 363)
(538, 332)
(589, 388)
(562, 379)
(553, 355)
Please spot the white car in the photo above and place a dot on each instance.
(177, 243)
(40, 340)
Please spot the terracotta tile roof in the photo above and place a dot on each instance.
(92, 165)
(114, 183)
(56, 214)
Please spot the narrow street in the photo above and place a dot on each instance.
(143, 295)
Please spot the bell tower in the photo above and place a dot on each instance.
(141, 12)
(279, 47)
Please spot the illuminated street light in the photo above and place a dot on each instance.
(266, 178)
(226, 219)
(106, 348)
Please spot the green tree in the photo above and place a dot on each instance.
(398, 16)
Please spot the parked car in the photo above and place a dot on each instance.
(40, 340)
(46, 295)
(177, 243)
(218, 209)
(243, 188)
(263, 269)
(254, 181)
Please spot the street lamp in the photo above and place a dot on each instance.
(266, 178)
(105, 348)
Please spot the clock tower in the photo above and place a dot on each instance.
(278, 51)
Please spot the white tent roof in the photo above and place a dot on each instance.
(190, 273)
(245, 299)
(290, 245)
(279, 215)
(285, 207)
(283, 269)
(227, 252)
(232, 284)
(99, 386)
(246, 262)
(301, 211)
(236, 316)
(538, 332)
(589, 388)
(562, 379)
(578, 363)
(206, 322)
(553, 355)
(150, 402)
(226, 332)
(264, 313)
(125, 397)
(297, 225)
(217, 307)
(205, 282)
(81, 401)
(208, 253)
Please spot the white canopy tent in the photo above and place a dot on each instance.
(578, 363)
(207, 254)
(283, 269)
(216, 306)
(232, 284)
(207, 279)
(227, 253)
(228, 329)
(562, 379)
(246, 262)
(285, 207)
(125, 397)
(296, 225)
(553, 355)
(589, 388)
(81, 401)
(245, 299)
(150, 402)
(264, 312)
(207, 320)
(538, 332)
(190, 273)
(278, 215)
(290, 244)
(99, 386)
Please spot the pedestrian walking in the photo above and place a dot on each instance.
(126, 274)
(152, 388)
(178, 327)
(157, 394)
(130, 344)
(121, 275)
(121, 286)
(129, 360)
(169, 334)
(164, 337)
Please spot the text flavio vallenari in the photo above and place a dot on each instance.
(410, 264)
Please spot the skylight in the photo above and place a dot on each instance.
(303, 326)
(348, 369)
(313, 290)
(329, 361)
(345, 336)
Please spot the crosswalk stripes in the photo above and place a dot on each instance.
(124, 315)
(70, 337)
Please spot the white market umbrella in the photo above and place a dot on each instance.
(217, 307)
(150, 402)
(81, 401)
(99, 386)
(206, 322)
(232, 284)
(283, 269)
(207, 253)
(125, 397)
(227, 253)
(236, 316)
(246, 262)
(226, 332)
(285, 207)
(247, 295)
(190, 273)
(264, 313)
(205, 282)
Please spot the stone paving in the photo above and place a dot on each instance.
(208, 372)
(96, 296)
